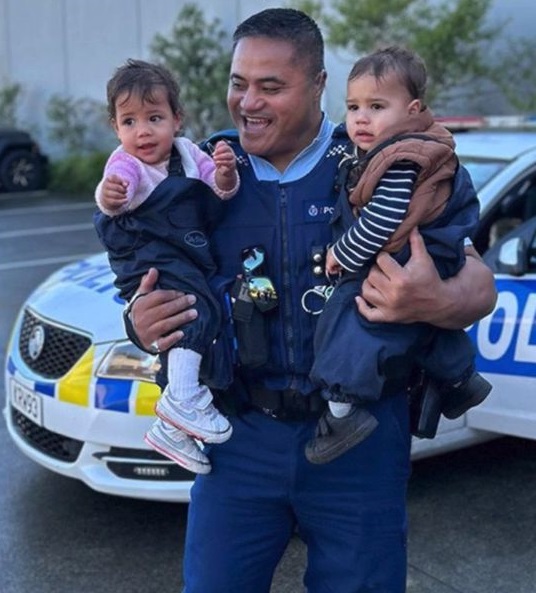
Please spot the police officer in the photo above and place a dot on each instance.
(351, 513)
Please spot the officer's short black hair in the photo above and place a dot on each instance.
(290, 25)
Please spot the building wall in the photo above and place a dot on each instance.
(71, 47)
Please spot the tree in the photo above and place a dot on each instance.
(78, 125)
(516, 75)
(452, 37)
(197, 53)
(9, 95)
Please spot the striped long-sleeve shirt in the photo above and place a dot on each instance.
(379, 219)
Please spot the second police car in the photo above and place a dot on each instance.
(80, 396)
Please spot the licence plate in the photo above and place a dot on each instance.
(27, 402)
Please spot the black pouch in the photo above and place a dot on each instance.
(424, 406)
(251, 327)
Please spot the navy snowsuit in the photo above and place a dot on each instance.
(169, 231)
(356, 360)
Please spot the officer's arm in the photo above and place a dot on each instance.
(156, 315)
(415, 292)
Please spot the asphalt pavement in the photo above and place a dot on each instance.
(471, 518)
(472, 513)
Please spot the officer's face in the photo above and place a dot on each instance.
(273, 99)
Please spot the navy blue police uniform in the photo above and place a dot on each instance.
(351, 513)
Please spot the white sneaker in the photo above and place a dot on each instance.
(178, 446)
(197, 417)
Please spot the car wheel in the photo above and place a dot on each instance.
(21, 170)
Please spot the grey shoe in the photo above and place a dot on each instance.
(334, 436)
(198, 417)
(177, 446)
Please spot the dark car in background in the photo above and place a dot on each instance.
(22, 165)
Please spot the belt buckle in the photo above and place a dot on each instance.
(271, 413)
(295, 406)
(292, 407)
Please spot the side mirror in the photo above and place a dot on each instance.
(514, 254)
(512, 257)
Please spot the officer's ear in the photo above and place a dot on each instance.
(320, 82)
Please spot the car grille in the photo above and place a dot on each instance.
(50, 443)
(140, 464)
(61, 350)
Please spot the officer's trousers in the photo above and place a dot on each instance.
(351, 512)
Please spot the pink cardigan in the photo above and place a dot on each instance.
(142, 178)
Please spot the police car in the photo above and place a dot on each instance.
(80, 396)
(500, 154)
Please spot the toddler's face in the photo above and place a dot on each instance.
(373, 105)
(146, 129)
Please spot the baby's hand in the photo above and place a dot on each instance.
(333, 267)
(224, 159)
(113, 193)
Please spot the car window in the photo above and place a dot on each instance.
(514, 207)
(532, 255)
(482, 171)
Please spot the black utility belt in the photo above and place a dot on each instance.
(286, 404)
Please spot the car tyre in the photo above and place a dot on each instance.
(21, 170)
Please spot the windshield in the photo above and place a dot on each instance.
(482, 171)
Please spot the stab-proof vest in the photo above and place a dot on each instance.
(291, 221)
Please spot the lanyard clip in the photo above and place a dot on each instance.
(314, 299)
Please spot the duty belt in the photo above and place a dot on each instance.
(286, 404)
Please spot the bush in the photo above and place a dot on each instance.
(78, 125)
(198, 53)
(9, 95)
(78, 173)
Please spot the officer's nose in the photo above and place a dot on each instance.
(250, 100)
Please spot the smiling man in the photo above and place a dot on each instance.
(351, 513)
(276, 111)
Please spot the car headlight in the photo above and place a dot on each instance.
(125, 361)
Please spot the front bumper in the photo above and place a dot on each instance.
(121, 471)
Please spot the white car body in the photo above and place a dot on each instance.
(98, 420)
(88, 423)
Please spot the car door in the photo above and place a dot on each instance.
(506, 339)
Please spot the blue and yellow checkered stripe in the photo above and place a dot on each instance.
(79, 387)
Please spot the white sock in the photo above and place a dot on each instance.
(339, 409)
(183, 374)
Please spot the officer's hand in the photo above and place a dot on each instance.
(392, 293)
(160, 312)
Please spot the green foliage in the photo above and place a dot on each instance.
(9, 95)
(79, 126)
(452, 37)
(197, 53)
(78, 173)
(519, 85)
